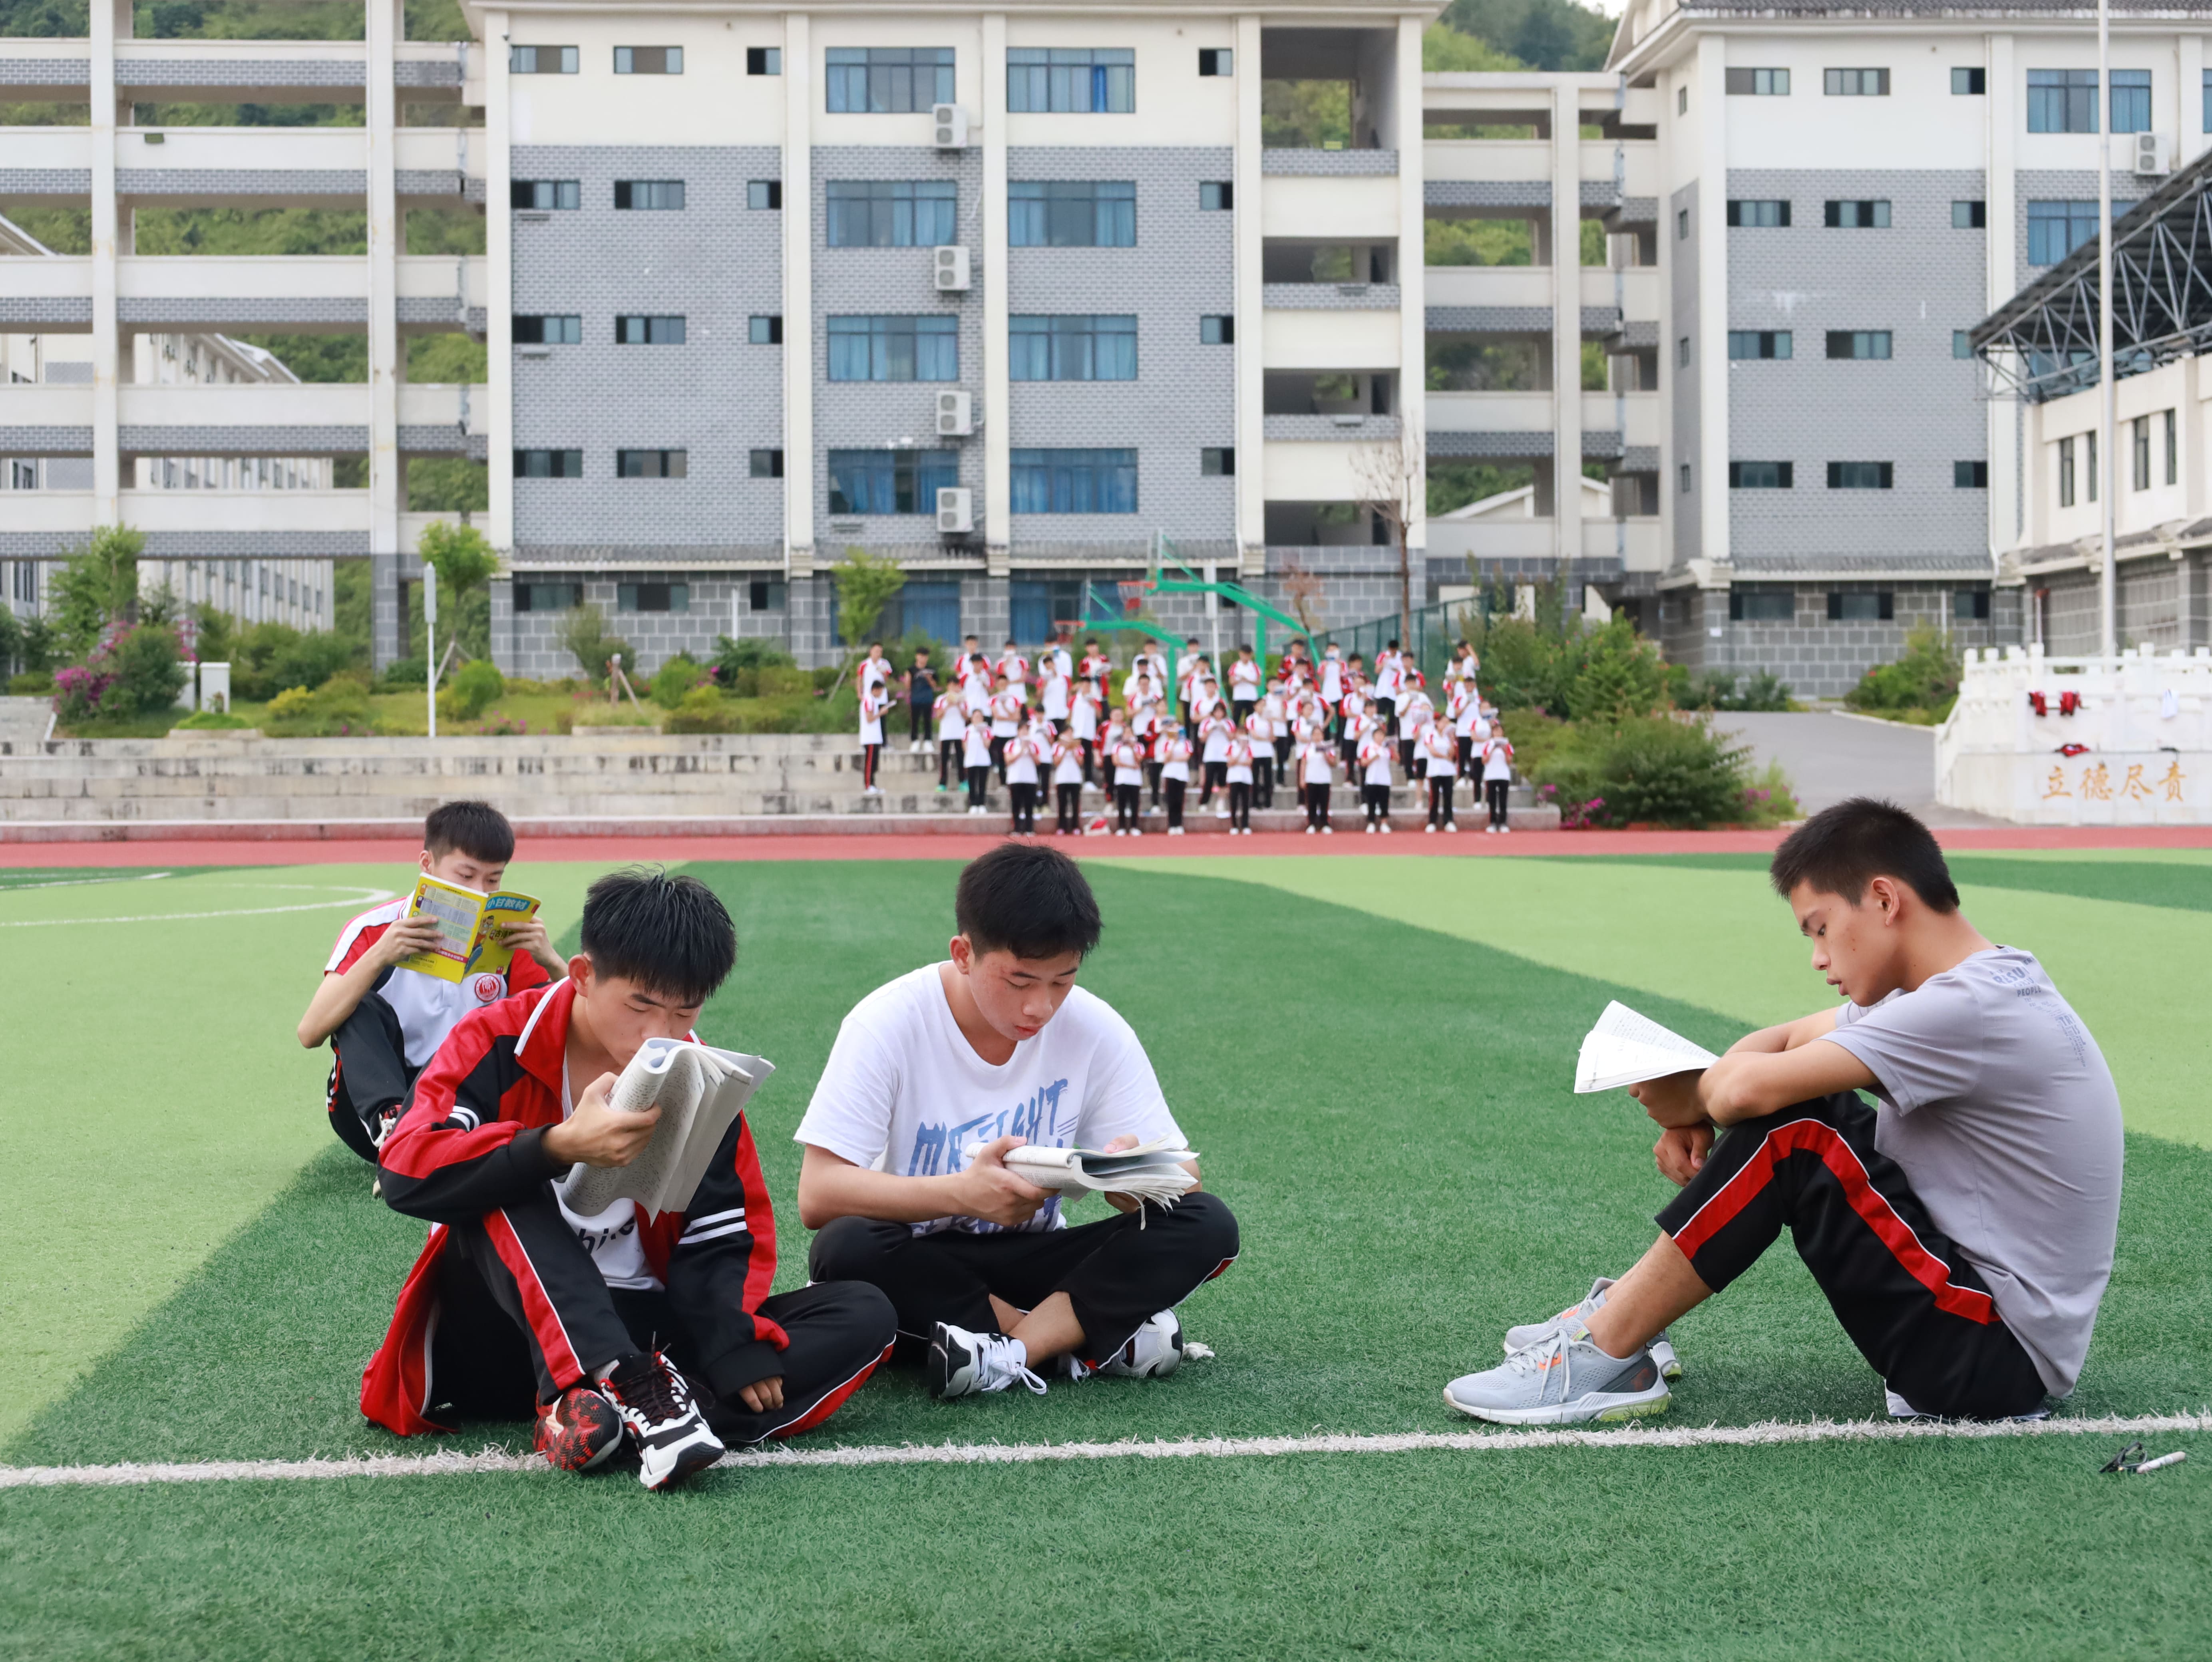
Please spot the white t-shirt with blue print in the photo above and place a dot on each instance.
(904, 1092)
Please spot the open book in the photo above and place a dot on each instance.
(1149, 1172)
(470, 926)
(701, 1090)
(1624, 1048)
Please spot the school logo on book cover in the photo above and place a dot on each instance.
(487, 989)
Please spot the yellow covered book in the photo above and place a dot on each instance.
(471, 925)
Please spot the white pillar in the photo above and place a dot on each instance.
(1711, 344)
(1251, 315)
(385, 24)
(998, 458)
(499, 280)
(2001, 116)
(1566, 320)
(1412, 306)
(798, 221)
(111, 19)
(2188, 87)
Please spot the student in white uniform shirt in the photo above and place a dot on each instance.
(1464, 706)
(1497, 779)
(1171, 754)
(1022, 755)
(1243, 682)
(951, 712)
(1083, 726)
(1126, 754)
(1238, 769)
(1070, 762)
(1317, 767)
(1260, 729)
(872, 704)
(1373, 762)
(975, 760)
(1331, 677)
(1054, 694)
(975, 685)
(1441, 747)
(1007, 710)
(1015, 668)
(1414, 711)
(1215, 730)
(1275, 704)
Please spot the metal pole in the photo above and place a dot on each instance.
(430, 639)
(2107, 471)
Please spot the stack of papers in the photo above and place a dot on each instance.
(1149, 1172)
(699, 1091)
(1624, 1048)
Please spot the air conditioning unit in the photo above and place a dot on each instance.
(950, 269)
(949, 126)
(2149, 154)
(956, 510)
(956, 415)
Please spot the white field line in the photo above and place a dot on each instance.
(1775, 1434)
(363, 897)
(81, 883)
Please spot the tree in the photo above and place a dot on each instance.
(1302, 591)
(584, 633)
(1389, 476)
(97, 585)
(865, 584)
(464, 562)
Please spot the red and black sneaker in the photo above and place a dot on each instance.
(663, 1419)
(579, 1431)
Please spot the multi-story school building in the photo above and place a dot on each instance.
(1019, 297)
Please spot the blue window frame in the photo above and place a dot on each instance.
(888, 80)
(2056, 229)
(932, 609)
(891, 481)
(895, 348)
(2130, 100)
(892, 213)
(1078, 81)
(1072, 213)
(2062, 100)
(1074, 481)
(1073, 348)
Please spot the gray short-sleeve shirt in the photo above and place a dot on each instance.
(2005, 1120)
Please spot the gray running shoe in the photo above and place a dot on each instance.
(1528, 1333)
(1563, 1380)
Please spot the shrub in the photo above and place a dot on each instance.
(1659, 770)
(96, 586)
(337, 709)
(1724, 689)
(783, 681)
(78, 691)
(31, 683)
(475, 686)
(701, 710)
(212, 721)
(585, 634)
(676, 678)
(1921, 686)
(265, 659)
(149, 667)
(733, 658)
(1620, 676)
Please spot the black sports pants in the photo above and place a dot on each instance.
(948, 760)
(369, 1075)
(1024, 803)
(1494, 790)
(1117, 1275)
(1071, 807)
(1376, 797)
(1126, 802)
(1240, 804)
(1263, 779)
(1176, 788)
(1440, 799)
(1915, 1307)
(979, 787)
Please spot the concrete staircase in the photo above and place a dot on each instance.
(23, 723)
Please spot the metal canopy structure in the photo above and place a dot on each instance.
(2042, 344)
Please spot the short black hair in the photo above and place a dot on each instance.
(1028, 899)
(670, 934)
(475, 828)
(1843, 848)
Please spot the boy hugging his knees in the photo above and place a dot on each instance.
(383, 1021)
(933, 1077)
(1963, 1230)
(656, 1332)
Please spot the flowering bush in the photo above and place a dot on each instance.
(78, 691)
(133, 670)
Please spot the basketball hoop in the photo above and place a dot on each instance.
(1133, 591)
(1070, 627)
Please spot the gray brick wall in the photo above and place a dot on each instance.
(1823, 658)
(716, 262)
(1686, 380)
(529, 643)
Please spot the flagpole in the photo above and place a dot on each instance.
(2107, 466)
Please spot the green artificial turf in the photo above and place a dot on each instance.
(2187, 886)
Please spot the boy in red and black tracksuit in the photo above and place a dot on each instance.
(611, 1325)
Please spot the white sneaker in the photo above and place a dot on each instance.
(1565, 1379)
(1221, 813)
(1175, 830)
(1430, 829)
(1153, 1352)
(1451, 828)
(965, 1364)
(1504, 830)
(1535, 1332)
(1371, 827)
(1309, 830)
(664, 1425)
(1386, 828)
(1329, 830)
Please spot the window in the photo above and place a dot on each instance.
(2139, 452)
(1681, 224)
(1856, 84)
(1759, 343)
(766, 594)
(648, 60)
(2130, 100)
(1072, 213)
(1216, 331)
(891, 481)
(764, 195)
(1971, 605)
(1969, 215)
(1762, 475)
(1074, 481)
(1078, 81)
(2094, 478)
(1682, 101)
(767, 465)
(652, 463)
(2208, 99)
(2065, 473)
(1861, 606)
(1219, 194)
(764, 332)
(1216, 60)
(1762, 606)
(548, 597)
(1857, 216)
(659, 194)
(1684, 471)
(1073, 348)
(1758, 216)
(763, 60)
(2056, 229)
(1962, 344)
(1858, 342)
(638, 331)
(891, 212)
(1859, 476)
(1217, 462)
(541, 60)
(1969, 84)
(549, 464)
(1970, 475)
(545, 193)
(1682, 352)
(895, 348)
(888, 80)
(2062, 100)
(1758, 83)
(653, 597)
(2173, 450)
(548, 331)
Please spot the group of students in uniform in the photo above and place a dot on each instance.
(1055, 726)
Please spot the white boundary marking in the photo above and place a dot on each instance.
(81, 882)
(348, 897)
(1773, 1435)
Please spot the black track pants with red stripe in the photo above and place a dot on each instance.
(1917, 1311)
(369, 1075)
(487, 1362)
(1117, 1275)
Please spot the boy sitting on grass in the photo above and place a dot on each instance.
(656, 1328)
(1963, 1232)
(384, 1022)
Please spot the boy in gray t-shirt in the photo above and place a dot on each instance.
(1963, 1233)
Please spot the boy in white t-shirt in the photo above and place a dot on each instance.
(1317, 767)
(1243, 682)
(1260, 728)
(1237, 771)
(1022, 755)
(1375, 780)
(976, 747)
(1497, 779)
(872, 704)
(1007, 708)
(1172, 756)
(952, 713)
(1439, 745)
(1070, 757)
(1125, 754)
(933, 1077)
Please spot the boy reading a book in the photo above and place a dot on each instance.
(933, 1077)
(1963, 1231)
(385, 1020)
(657, 1329)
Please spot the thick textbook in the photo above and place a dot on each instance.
(1624, 1048)
(471, 928)
(1151, 1172)
(699, 1091)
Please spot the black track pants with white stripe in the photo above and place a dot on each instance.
(1917, 1311)
(1115, 1274)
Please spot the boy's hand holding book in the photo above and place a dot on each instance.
(407, 938)
(598, 1133)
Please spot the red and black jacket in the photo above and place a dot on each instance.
(472, 1141)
